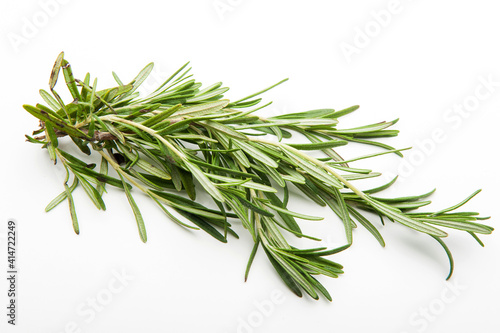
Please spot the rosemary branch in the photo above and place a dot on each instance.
(181, 137)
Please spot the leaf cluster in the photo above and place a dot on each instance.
(183, 138)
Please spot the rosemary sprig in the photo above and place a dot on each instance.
(183, 134)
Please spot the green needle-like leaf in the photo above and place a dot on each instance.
(205, 182)
(72, 210)
(137, 212)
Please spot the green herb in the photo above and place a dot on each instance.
(183, 138)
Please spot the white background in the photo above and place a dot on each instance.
(415, 64)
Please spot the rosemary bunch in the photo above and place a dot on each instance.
(185, 138)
